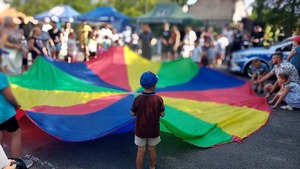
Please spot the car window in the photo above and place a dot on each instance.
(290, 39)
(285, 48)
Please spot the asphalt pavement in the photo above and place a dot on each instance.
(275, 146)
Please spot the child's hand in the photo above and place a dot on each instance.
(271, 101)
(273, 107)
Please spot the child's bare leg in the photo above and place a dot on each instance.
(152, 153)
(1, 137)
(140, 157)
(16, 143)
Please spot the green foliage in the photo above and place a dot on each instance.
(131, 8)
(277, 13)
(180, 2)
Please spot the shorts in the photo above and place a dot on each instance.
(10, 125)
(165, 48)
(143, 141)
(92, 54)
(57, 47)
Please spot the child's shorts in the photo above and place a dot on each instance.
(142, 141)
(10, 125)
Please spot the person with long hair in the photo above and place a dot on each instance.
(12, 59)
(289, 93)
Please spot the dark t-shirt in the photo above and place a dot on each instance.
(165, 34)
(38, 43)
(54, 35)
(147, 108)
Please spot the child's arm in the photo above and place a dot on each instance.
(274, 98)
(253, 76)
(282, 96)
(293, 51)
(9, 96)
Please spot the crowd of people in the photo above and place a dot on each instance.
(286, 87)
(205, 47)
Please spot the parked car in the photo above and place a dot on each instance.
(241, 60)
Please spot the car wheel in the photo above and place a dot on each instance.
(248, 71)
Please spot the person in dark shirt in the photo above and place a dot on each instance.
(257, 37)
(147, 40)
(148, 108)
(56, 36)
(165, 37)
(35, 44)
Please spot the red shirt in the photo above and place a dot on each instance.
(147, 108)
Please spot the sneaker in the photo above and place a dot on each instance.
(286, 107)
(27, 162)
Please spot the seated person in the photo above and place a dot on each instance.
(289, 93)
(280, 66)
(258, 71)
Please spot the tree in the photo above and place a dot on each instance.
(277, 13)
(33, 7)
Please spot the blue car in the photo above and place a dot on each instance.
(241, 60)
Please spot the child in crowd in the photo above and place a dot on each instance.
(294, 56)
(197, 52)
(106, 43)
(72, 48)
(185, 51)
(35, 44)
(258, 70)
(91, 45)
(24, 52)
(209, 48)
(148, 108)
(289, 93)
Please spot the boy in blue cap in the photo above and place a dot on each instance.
(148, 108)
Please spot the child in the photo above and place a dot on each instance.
(294, 56)
(148, 108)
(258, 71)
(72, 48)
(289, 92)
(197, 52)
(35, 44)
(8, 121)
(91, 45)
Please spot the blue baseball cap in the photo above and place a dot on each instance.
(148, 79)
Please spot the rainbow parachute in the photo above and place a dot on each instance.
(83, 101)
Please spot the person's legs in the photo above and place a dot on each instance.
(268, 87)
(1, 137)
(152, 150)
(141, 143)
(152, 153)
(140, 157)
(16, 143)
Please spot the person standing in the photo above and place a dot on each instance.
(147, 40)
(148, 108)
(12, 60)
(8, 104)
(35, 44)
(56, 36)
(174, 41)
(294, 56)
(83, 34)
(165, 37)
